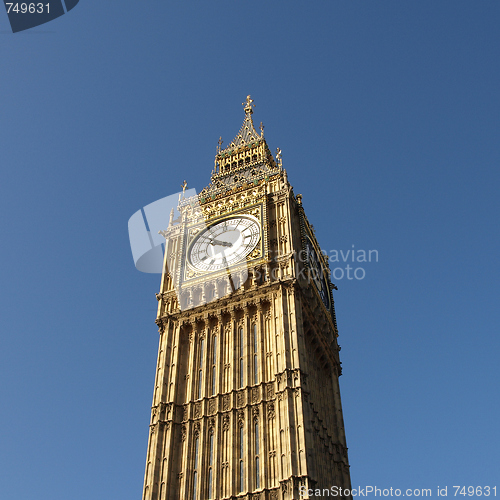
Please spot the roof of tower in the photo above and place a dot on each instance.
(247, 160)
(247, 133)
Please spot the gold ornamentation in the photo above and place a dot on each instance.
(279, 161)
(248, 105)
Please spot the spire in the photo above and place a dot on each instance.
(247, 133)
(248, 105)
(246, 160)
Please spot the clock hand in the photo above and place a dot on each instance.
(221, 243)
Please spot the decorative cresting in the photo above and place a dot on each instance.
(246, 161)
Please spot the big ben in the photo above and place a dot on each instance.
(246, 402)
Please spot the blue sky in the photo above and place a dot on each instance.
(387, 114)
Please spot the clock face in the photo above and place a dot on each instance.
(317, 274)
(224, 243)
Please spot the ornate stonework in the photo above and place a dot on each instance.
(248, 354)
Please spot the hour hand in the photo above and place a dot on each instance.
(221, 243)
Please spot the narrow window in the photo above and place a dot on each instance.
(242, 479)
(242, 442)
(241, 356)
(257, 471)
(196, 444)
(214, 362)
(257, 438)
(210, 483)
(255, 359)
(195, 473)
(211, 459)
(242, 469)
(195, 485)
(200, 371)
(210, 465)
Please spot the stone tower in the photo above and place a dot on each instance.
(246, 401)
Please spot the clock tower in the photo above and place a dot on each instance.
(246, 402)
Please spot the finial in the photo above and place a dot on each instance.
(248, 105)
(184, 186)
(261, 130)
(299, 199)
(219, 144)
(278, 157)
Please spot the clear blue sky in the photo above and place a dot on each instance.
(387, 114)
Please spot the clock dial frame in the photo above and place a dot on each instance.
(317, 273)
(224, 243)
